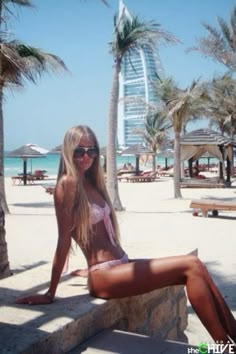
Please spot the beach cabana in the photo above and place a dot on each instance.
(197, 143)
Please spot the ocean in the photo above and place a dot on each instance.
(50, 163)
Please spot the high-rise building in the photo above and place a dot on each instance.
(136, 79)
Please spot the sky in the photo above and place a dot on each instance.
(78, 31)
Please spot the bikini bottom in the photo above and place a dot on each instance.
(108, 264)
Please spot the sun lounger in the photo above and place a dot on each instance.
(124, 176)
(144, 177)
(140, 179)
(164, 173)
(20, 179)
(49, 188)
(214, 205)
(39, 174)
(17, 180)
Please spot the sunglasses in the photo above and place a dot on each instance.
(92, 152)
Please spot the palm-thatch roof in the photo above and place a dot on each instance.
(204, 137)
(137, 150)
(56, 150)
(25, 151)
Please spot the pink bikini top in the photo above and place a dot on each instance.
(97, 214)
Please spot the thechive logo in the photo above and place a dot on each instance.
(216, 348)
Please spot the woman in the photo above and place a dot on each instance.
(84, 213)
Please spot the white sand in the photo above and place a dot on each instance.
(153, 225)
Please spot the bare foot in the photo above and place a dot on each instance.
(80, 273)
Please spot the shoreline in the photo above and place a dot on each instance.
(154, 224)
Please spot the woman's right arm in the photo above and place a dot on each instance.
(63, 198)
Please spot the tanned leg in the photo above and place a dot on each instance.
(143, 276)
(223, 310)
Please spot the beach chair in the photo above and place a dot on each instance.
(17, 180)
(214, 205)
(143, 177)
(49, 189)
(20, 179)
(39, 174)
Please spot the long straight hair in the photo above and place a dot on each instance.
(82, 227)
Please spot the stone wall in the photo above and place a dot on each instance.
(77, 316)
(161, 314)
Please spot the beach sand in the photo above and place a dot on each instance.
(154, 224)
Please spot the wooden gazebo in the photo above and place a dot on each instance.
(201, 141)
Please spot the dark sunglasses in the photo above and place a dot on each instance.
(92, 152)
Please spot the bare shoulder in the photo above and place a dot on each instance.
(64, 190)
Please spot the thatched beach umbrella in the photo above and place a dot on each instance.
(25, 152)
(137, 150)
(56, 150)
(166, 153)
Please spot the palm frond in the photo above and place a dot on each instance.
(233, 22)
(6, 8)
(132, 34)
(226, 33)
(19, 61)
(222, 110)
(219, 44)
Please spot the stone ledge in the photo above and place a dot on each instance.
(77, 316)
(115, 341)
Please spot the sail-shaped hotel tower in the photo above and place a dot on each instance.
(138, 71)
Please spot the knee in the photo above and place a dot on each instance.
(195, 265)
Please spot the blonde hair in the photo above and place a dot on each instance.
(82, 228)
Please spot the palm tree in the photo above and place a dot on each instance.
(182, 105)
(223, 107)
(130, 35)
(220, 44)
(155, 132)
(18, 62)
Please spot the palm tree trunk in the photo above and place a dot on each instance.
(112, 184)
(4, 263)
(177, 166)
(154, 165)
(3, 202)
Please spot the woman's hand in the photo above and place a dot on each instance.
(80, 273)
(35, 300)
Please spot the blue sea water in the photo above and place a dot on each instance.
(50, 163)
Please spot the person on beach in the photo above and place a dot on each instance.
(196, 173)
(84, 213)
